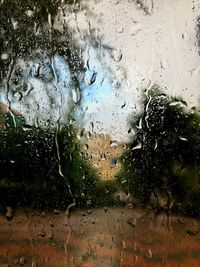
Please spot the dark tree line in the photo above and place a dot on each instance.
(39, 166)
(162, 161)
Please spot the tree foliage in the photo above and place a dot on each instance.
(163, 158)
(27, 28)
(45, 167)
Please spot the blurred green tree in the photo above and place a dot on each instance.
(45, 167)
(162, 153)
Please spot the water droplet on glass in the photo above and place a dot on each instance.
(22, 261)
(179, 102)
(101, 243)
(76, 95)
(50, 236)
(113, 144)
(42, 233)
(123, 245)
(138, 146)
(29, 13)
(56, 212)
(120, 30)
(86, 146)
(122, 106)
(90, 77)
(183, 138)
(51, 224)
(117, 55)
(148, 254)
(105, 209)
(132, 221)
(4, 56)
(14, 23)
(9, 213)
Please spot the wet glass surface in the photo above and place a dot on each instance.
(99, 133)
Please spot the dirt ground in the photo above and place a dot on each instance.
(107, 237)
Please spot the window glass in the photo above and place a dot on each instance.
(99, 133)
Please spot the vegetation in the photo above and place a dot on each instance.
(46, 168)
(27, 30)
(163, 159)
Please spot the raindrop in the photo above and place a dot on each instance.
(117, 55)
(76, 96)
(82, 132)
(29, 13)
(192, 232)
(138, 146)
(135, 258)
(35, 71)
(22, 261)
(113, 161)
(123, 105)
(113, 144)
(56, 211)
(42, 233)
(43, 214)
(139, 126)
(18, 96)
(183, 138)
(156, 145)
(4, 56)
(101, 244)
(90, 77)
(121, 30)
(179, 102)
(51, 224)
(83, 213)
(27, 127)
(86, 146)
(123, 245)
(135, 30)
(14, 23)
(9, 213)
(89, 212)
(50, 236)
(132, 222)
(103, 156)
(148, 254)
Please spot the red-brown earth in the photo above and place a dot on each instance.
(122, 237)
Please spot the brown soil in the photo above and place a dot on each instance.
(115, 237)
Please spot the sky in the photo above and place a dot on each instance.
(155, 48)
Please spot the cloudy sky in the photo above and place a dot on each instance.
(159, 47)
